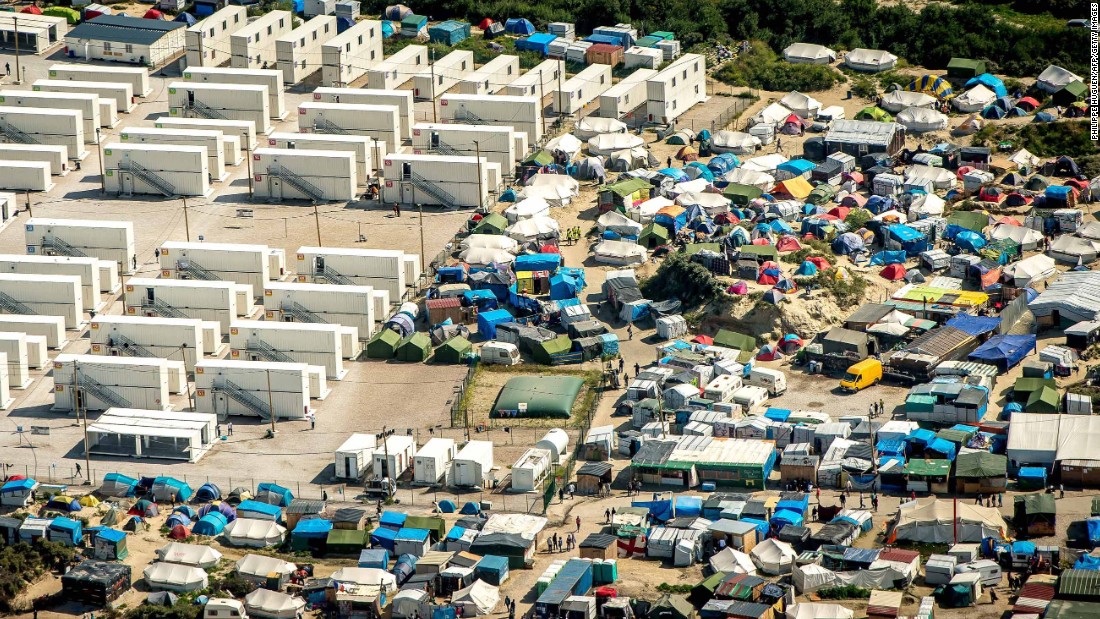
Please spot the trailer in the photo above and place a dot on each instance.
(87, 105)
(315, 344)
(403, 99)
(457, 181)
(398, 68)
(432, 462)
(346, 57)
(208, 42)
(177, 298)
(531, 470)
(495, 144)
(628, 95)
(393, 457)
(252, 389)
(378, 122)
(37, 33)
(38, 356)
(253, 46)
(212, 141)
(646, 57)
(87, 269)
(107, 240)
(298, 52)
(108, 113)
(521, 113)
(50, 328)
(368, 152)
(13, 346)
(220, 101)
(444, 73)
(244, 131)
(491, 77)
(138, 433)
(25, 175)
(44, 295)
(354, 456)
(122, 93)
(48, 126)
(109, 382)
(381, 269)
(56, 156)
(137, 77)
(156, 169)
(271, 78)
(349, 306)
(298, 174)
(537, 81)
(232, 262)
(473, 465)
(676, 88)
(581, 89)
(179, 339)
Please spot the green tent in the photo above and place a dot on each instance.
(542, 351)
(111, 518)
(453, 350)
(346, 541)
(653, 236)
(415, 348)
(964, 68)
(539, 159)
(975, 221)
(981, 464)
(1045, 400)
(741, 195)
(493, 223)
(71, 16)
(676, 606)
(436, 526)
(822, 194)
(538, 396)
(732, 339)
(759, 252)
(1070, 93)
(693, 248)
(872, 112)
(1024, 387)
(383, 345)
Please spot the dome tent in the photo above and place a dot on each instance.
(870, 60)
(898, 100)
(591, 126)
(921, 120)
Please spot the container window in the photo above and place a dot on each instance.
(269, 31)
(106, 46)
(360, 41)
(129, 48)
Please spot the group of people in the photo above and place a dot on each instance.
(572, 235)
(557, 543)
(990, 500)
(877, 408)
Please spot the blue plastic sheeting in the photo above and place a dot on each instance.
(721, 164)
(975, 325)
(847, 243)
(71, 529)
(761, 526)
(784, 517)
(538, 42)
(1088, 562)
(1023, 548)
(111, 535)
(444, 612)
(210, 524)
(1004, 351)
(880, 204)
(888, 257)
(259, 509)
(393, 520)
(537, 262)
(922, 436)
(700, 170)
(903, 233)
(943, 446)
(778, 414)
(689, 506)
(798, 167)
(861, 555)
(660, 511)
(675, 174)
(117, 478)
(455, 533)
(19, 485)
(970, 241)
(316, 528)
(795, 505)
(383, 538)
(1058, 192)
(378, 558)
(891, 447)
(780, 226)
(989, 81)
(446, 506)
(562, 287)
(415, 535)
(487, 322)
(1032, 472)
(1093, 525)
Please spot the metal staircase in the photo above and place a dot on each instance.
(429, 188)
(334, 277)
(300, 313)
(443, 148)
(58, 247)
(160, 308)
(324, 126)
(147, 175)
(265, 350)
(246, 399)
(468, 117)
(129, 348)
(13, 134)
(290, 178)
(11, 306)
(101, 393)
(195, 271)
(206, 111)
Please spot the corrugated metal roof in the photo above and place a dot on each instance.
(938, 342)
(1079, 583)
(1034, 597)
(862, 132)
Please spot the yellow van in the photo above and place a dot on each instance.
(862, 375)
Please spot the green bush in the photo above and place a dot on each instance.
(848, 291)
(847, 592)
(690, 282)
(857, 218)
(864, 88)
(22, 563)
(760, 67)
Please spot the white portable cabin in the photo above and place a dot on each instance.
(491, 77)
(647, 57)
(349, 306)
(244, 131)
(212, 141)
(722, 388)
(137, 77)
(435, 180)
(5, 385)
(9, 208)
(49, 126)
(252, 388)
(45, 295)
(403, 99)
(37, 351)
(299, 174)
(276, 100)
(298, 53)
(143, 433)
(122, 93)
(538, 81)
(142, 336)
(315, 344)
(229, 101)
(14, 348)
(557, 441)
(676, 88)
(156, 169)
(107, 240)
(626, 96)
(51, 328)
(25, 175)
(368, 152)
(378, 122)
(354, 456)
(208, 42)
(398, 68)
(87, 105)
(382, 269)
(473, 464)
(521, 113)
(433, 460)
(347, 56)
(176, 298)
(531, 469)
(446, 72)
(87, 269)
(115, 382)
(37, 33)
(495, 144)
(108, 112)
(393, 456)
(232, 262)
(108, 276)
(581, 89)
(55, 155)
(253, 46)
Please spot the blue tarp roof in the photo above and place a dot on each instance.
(861, 555)
(921, 435)
(1031, 472)
(904, 234)
(659, 510)
(974, 325)
(456, 532)
(537, 262)
(260, 507)
(492, 563)
(970, 241)
(786, 516)
(943, 446)
(796, 166)
(487, 322)
(1058, 192)
(383, 537)
(416, 535)
(111, 535)
(761, 526)
(313, 527)
(888, 257)
(1004, 351)
(1027, 548)
(374, 557)
(778, 414)
(891, 447)
(689, 506)
(1093, 525)
(392, 519)
(989, 81)
(19, 485)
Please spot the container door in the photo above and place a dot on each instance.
(408, 193)
(351, 466)
(406, 171)
(319, 264)
(150, 295)
(276, 187)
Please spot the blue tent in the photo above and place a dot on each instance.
(487, 322)
(177, 519)
(921, 436)
(773, 296)
(974, 325)
(673, 223)
(1005, 103)
(1004, 351)
(783, 517)
(171, 489)
(785, 285)
(208, 492)
(1089, 562)
(377, 558)
(471, 508)
(225, 508)
(970, 241)
(798, 167)
(383, 538)
(274, 494)
(562, 287)
(186, 510)
(66, 530)
(120, 484)
(60, 502)
(1045, 117)
(993, 112)
(519, 25)
(258, 510)
(451, 275)
(911, 240)
(186, 18)
(696, 170)
(210, 524)
(847, 243)
(483, 299)
(989, 81)
(890, 447)
(388, 29)
(659, 511)
(1011, 407)
(508, 195)
(780, 415)
(888, 257)
(537, 262)
(404, 567)
(721, 164)
(806, 269)
(880, 204)
(675, 174)
(781, 227)
(447, 506)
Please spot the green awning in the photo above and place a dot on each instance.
(1079, 583)
(979, 464)
(959, 437)
(965, 67)
(539, 158)
(346, 537)
(672, 466)
(928, 468)
(742, 194)
(760, 251)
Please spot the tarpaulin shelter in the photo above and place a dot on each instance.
(1004, 351)
(931, 84)
(274, 494)
(208, 492)
(888, 257)
(989, 81)
(937, 521)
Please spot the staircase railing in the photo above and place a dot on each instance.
(129, 348)
(160, 308)
(444, 148)
(195, 270)
(102, 393)
(290, 178)
(265, 350)
(321, 125)
(334, 277)
(246, 399)
(429, 188)
(14, 134)
(299, 313)
(469, 117)
(60, 248)
(11, 306)
(206, 111)
(147, 175)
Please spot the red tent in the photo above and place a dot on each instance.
(990, 194)
(485, 23)
(769, 352)
(179, 532)
(1076, 184)
(705, 340)
(769, 274)
(761, 241)
(1012, 221)
(788, 243)
(738, 288)
(549, 249)
(840, 212)
(1027, 104)
(819, 262)
(31, 10)
(153, 14)
(853, 176)
(964, 170)
(893, 272)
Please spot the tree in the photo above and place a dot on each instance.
(680, 278)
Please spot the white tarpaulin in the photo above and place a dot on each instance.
(646, 211)
(921, 120)
(371, 576)
(874, 60)
(974, 100)
(773, 556)
(567, 144)
(898, 100)
(927, 205)
(607, 143)
(1074, 250)
(694, 185)
(802, 104)
(175, 577)
(809, 53)
(1053, 78)
(735, 142)
(526, 526)
(939, 178)
(810, 578)
(618, 223)
(818, 610)
(526, 209)
(756, 178)
(1091, 231)
(408, 602)
(189, 554)
(254, 533)
(619, 253)
(1031, 270)
(269, 604)
(489, 241)
(591, 126)
(934, 522)
(1027, 238)
(478, 599)
(765, 163)
(712, 203)
(774, 114)
(1024, 158)
(732, 561)
(484, 256)
(568, 183)
(259, 566)
(528, 230)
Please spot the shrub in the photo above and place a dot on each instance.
(847, 592)
(864, 88)
(857, 218)
(761, 68)
(690, 282)
(848, 291)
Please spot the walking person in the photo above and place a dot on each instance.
(992, 595)
(622, 364)
(607, 515)
(629, 330)
(78, 471)
(7, 68)
(396, 209)
(637, 370)
(669, 162)
(578, 523)
(229, 428)
(313, 422)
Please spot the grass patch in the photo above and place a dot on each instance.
(847, 592)
(848, 291)
(761, 68)
(1069, 138)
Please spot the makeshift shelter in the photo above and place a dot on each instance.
(1004, 351)
(773, 557)
(96, 583)
(931, 84)
(268, 604)
(110, 545)
(175, 577)
(416, 348)
(898, 100)
(478, 599)
(922, 120)
(254, 533)
(1034, 515)
(195, 555)
(936, 521)
(808, 53)
(872, 61)
(1054, 78)
(803, 105)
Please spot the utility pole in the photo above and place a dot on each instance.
(435, 116)
(186, 222)
(18, 73)
(78, 408)
(423, 256)
(102, 163)
(561, 69)
(30, 210)
(477, 154)
(183, 355)
(270, 404)
(541, 108)
(317, 222)
(248, 155)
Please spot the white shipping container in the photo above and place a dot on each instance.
(232, 149)
(208, 43)
(177, 377)
(106, 240)
(273, 79)
(495, 144)
(444, 73)
(346, 57)
(49, 126)
(212, 337)
(87, 105)
(521, 113)
(350, 306)
(363, 147)
(626, 96)
(108, 275)
(14, 347)
(435, 179)
(299, 174)
(646, 57)
(298, 53)
(47, 295)
(178, 298)
(5, 386)
(229, 101)
(491, 77)
(208, 139)
(393, 457)
(529, 471)
(398, 68)
(119, 382)
(138, 78)
(253, 46)
(179, 170)
(382, 269)
(677, 88)
(412, 268)
(244, 130)
(25, 175)
(349, 342)
(318, 382)
(473, 465)
(353, 457)
(87, 269)
(37, 354)
(403, 99)
(266, 385)
(315, 344)
(55, 155)
(537, 81)
(122, 93)
(276, 263)
(179, 339)
(381, 304)
(379, 122)
(581, 89)
(519, 139)
(433, 460)
(108, 113)
(50, 327)
(240, 263)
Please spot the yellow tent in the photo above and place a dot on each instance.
(89, 501)
(841, 273)
(797, 188)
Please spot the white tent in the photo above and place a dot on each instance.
(1031, 270)
(736, 142)
(1026, 237)
(367, 576)
(410, 602)
(764, 163)
(811, 577)
(567, 144)
(712, 203)
(484, 256)
(259, 566)
(476, 600)
(818, 610)
(618, 223)
(809, 53)
(921, 120)
(175, 577)
(968, 126)
(557, 189)
(645, 211)
(774, 113)
(732, 561)
(620, 253)
(756, 178)
(629, 159)
(694, 185)
(1091, 230)
(268, 604)
(526, 209)
(1024, 158)
(802, 104)
(1053, 78)
(773, 557)
(591, 126)
(1074, 250)
(940, 178)
(933, 521)
(926, 205)
(533, 229)
(189, 554)
(898, 100)
(975, 99)
(254, 533)
(489, 241)
(873, 60)
(607, 143)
